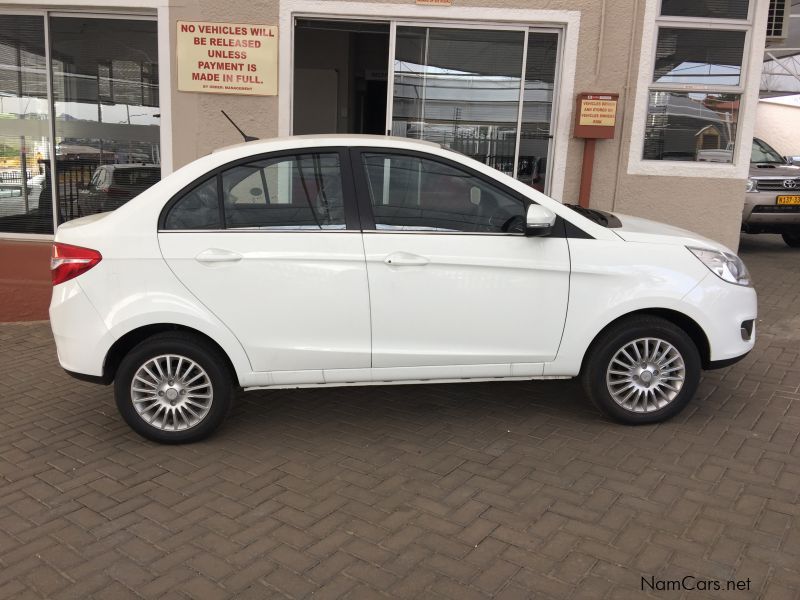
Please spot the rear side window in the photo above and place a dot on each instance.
(302, 191)
(197, 209)
(290, 192)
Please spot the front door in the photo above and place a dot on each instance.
(278, 264)
(453, 279)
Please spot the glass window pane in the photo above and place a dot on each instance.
(691, 127)
(699, 56)
(411, 193)
(25, 197)
(460, 88)
(715, 9)
(198, 209)
(105, 85)
(537, 108)
(298, 192)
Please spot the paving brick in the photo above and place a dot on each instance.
(511, 490)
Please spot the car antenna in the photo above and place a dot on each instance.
(247, 138)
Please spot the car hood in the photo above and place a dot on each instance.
(769, 170)
(636, 229)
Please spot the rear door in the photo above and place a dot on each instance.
(453, 279)
(265, 245)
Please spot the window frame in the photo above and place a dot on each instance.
(747, 89)
(351, 208)
(365, 203)
(145, 10)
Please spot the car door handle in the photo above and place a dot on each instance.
(216, 255)
(405, 259)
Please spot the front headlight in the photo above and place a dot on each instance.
(752, 186)
(724, 265)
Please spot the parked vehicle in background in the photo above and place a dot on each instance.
(12, 195)
(357, 260)
(772, 202)
(113, 185)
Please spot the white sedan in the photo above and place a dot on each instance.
(356, 260)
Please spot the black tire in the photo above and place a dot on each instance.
(612, 340)
(792, 239)
(183, 430)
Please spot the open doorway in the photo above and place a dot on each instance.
(340, 75)
(485, 90)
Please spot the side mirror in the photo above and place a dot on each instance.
(539, 221)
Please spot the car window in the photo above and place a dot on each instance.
(290, 192)
(419, 194)
(197, 209)
(96, 178)
(135, 177)
(764, 153)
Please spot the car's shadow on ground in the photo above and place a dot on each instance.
(457, 407)
(763, 243)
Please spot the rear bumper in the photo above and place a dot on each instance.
(98, 379)
(81, 337)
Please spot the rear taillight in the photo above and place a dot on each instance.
(67, 262)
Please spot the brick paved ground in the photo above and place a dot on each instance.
(513, 490)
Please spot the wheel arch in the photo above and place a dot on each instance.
(677, 318)
(129, 340)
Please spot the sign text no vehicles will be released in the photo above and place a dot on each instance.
(227, 58)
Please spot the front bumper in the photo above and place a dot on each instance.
(762, 214)
(721, 364)
(724, 310)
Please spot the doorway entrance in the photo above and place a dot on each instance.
(487, 92)
(340, 76)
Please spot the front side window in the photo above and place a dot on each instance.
(697, 81)
(419, 194)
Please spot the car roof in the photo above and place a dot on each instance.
(338, 139)
(132, 166)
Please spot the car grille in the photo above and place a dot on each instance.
(768, 185)
(777, 208)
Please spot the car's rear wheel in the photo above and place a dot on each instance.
(174, 388)
(792, 239)
(642, 370)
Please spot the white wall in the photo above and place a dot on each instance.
(778, 125)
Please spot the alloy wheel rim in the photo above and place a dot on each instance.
(171, 392)
(645, 375)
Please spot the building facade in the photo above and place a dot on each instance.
(94, 107)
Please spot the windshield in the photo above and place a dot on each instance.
(764, 153)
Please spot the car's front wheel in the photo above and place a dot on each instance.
(173, 388)
(642, 370)
(792, 239)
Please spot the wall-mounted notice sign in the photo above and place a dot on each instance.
(227, 58)
(596, 115)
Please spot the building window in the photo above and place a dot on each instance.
(712, 9)
(697, 81)
(25, 197)
(105, 115)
